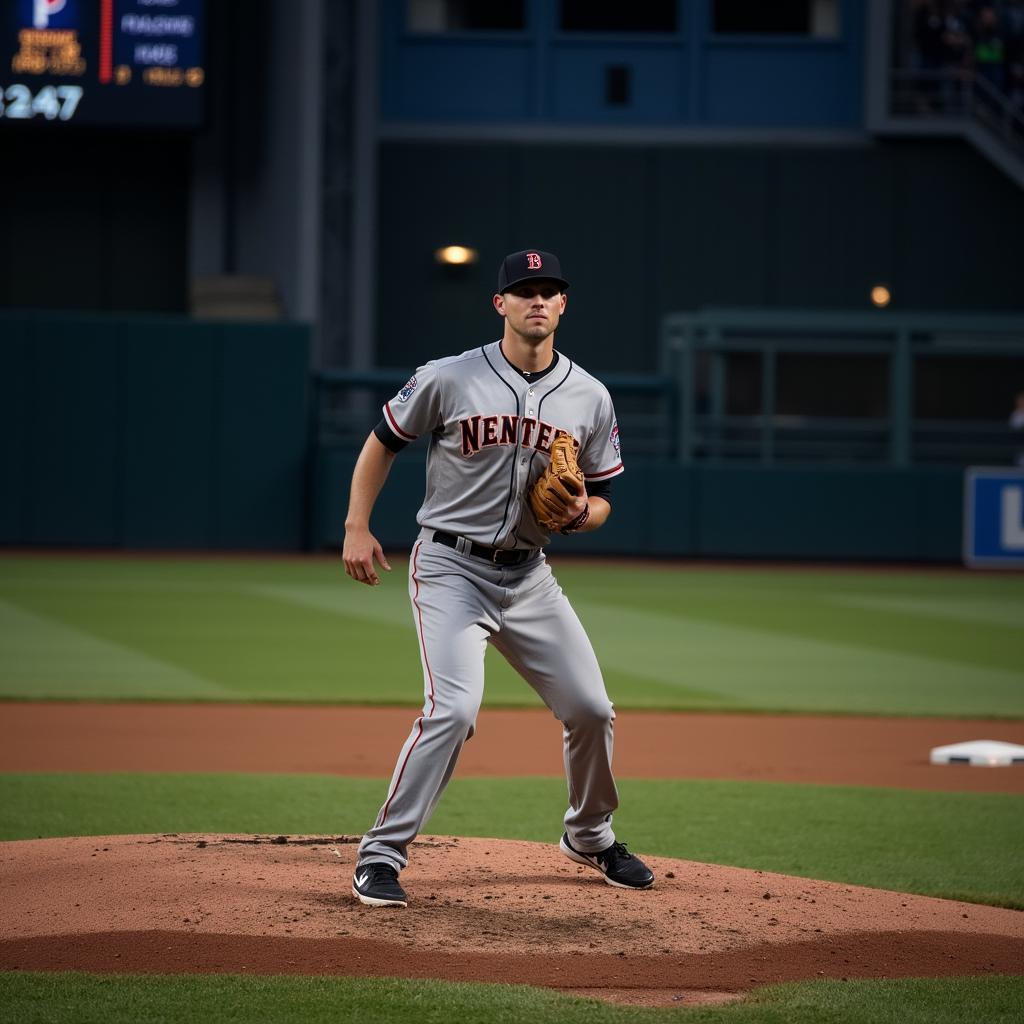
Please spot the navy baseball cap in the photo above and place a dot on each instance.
(528, 265)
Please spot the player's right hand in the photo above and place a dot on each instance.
(361, 550)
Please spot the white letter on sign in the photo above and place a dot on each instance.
(1012, 529)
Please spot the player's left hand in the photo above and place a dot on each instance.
(574, 510)
(559, 494)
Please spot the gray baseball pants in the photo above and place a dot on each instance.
(460, 604)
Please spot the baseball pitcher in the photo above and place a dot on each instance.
(523, 443)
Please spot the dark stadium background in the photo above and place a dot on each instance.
(198, 324)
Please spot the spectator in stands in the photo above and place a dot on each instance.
(1012, 15)
(1015, 84)
(943, 49)
(989, 48)
(1017, 422)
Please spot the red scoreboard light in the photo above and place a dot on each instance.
(112, 62)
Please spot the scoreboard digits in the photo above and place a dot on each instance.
(115, 62)
(51, 102)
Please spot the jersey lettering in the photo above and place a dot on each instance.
(490, 431)
(509, 429)
(544, 437)
(480, 432)
(470, 435)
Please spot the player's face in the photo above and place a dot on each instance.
(532, 309)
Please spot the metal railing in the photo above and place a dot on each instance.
(955, 94)
(697, 351)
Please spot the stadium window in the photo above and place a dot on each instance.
(638, 16)
(435, 16)
(816, 18)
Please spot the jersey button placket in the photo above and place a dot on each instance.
(529, 412)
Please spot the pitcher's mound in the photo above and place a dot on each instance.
(480, 910)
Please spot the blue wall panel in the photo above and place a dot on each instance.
(457, 81)
(658, 84)
(691, 76)
(806, 86)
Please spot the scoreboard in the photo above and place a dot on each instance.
(102, 62)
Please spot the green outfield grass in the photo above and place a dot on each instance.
(668, 637)
(113, 999)
(956, 845)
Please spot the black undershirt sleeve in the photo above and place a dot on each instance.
(386, 436)
(600, 489)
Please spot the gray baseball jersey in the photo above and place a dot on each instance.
(489, 428)
(490, 435)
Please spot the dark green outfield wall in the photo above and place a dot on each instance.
(712, 511)
(152, 433)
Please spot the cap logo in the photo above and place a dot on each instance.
(533, 261)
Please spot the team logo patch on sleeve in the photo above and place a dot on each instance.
(613, 439)
(406, 393)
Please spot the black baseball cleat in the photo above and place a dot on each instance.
(376, 885)
(617, 864)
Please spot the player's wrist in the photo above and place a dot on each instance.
(574, 525)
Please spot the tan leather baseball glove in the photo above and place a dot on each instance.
(558, 485)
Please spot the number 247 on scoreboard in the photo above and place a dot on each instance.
(51, 102)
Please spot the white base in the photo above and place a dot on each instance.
(984, 753)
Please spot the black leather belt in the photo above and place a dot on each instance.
(498, 556)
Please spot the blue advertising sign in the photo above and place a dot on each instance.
(994, 517)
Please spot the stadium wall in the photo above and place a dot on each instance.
(152, 433)
(709, 511)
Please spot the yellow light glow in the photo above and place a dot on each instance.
(881, 296)
(456, 255)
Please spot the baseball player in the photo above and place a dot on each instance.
(522, 442)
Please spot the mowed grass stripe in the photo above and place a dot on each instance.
(766, 670)
(1001, 613)
(650, 658)
(53, 659)
(819, 605)
(114, 999)
(956, 845)
(228, 644)
(293, 630)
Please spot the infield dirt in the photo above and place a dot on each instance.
(364, 741)
(481, 910)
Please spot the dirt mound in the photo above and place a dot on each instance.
(480, 910)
